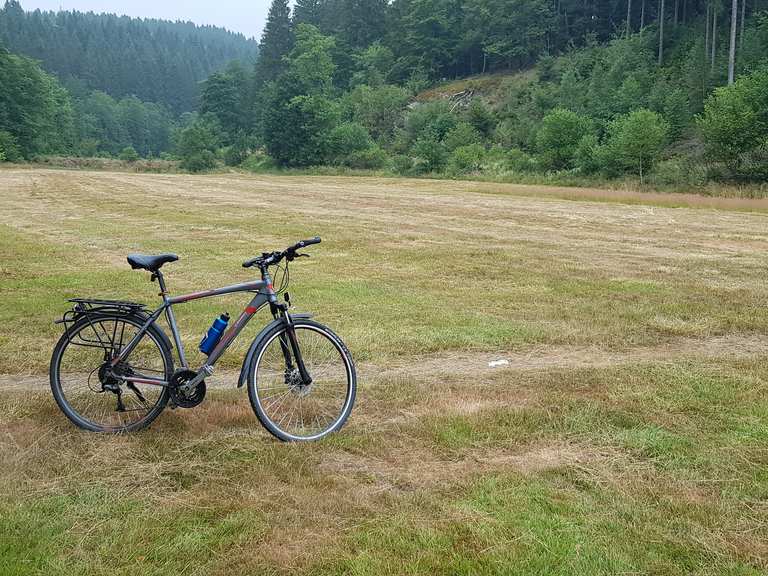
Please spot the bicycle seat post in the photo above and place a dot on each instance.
(161, 281)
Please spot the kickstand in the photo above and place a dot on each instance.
(120, 405)
(135, 390)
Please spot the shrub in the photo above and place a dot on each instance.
(430, 155)
(463, 134)
(346, 139)
(481, 117)
(735, 125)
(560, 133)
(371, 158)
(638, 138)
(402, 164)
(587, 155)
(259, 162)
(198, 145)
(466, 159)
(9, 148)
(519, 161)
(236, 153)
(379, 109)
(434, 119)
(201, 161)
(128, 154)
(679, 172)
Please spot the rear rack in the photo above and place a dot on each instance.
(90, 308)
(91, 303)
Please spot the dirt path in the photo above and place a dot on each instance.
(477, 364)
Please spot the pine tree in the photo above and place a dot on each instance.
(276, 42)
(309, 12)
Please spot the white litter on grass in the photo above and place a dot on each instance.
(497, 363)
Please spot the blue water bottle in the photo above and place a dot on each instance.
(212, 337)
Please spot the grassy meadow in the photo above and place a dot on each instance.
(627, 435)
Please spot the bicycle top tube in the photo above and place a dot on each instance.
(253, 286)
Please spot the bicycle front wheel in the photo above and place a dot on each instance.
(288, 408)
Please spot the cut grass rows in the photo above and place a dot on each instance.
(628, 435)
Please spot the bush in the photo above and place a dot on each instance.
(372, 158)
(679, 172)
(259, 162)
(637, 139)
(432, 120)
(481, 117)
(735, 125)
(587, 155)
(128, 154)
(466, 159)
(430, 155)
(198, 145)
(559, 136)
(346, 139)
(9, 148)
(402, 164)
(199, 161)
(236, 153)
(378, 109)
(519, 161)
(463, 134)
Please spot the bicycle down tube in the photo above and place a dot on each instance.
(260, 299)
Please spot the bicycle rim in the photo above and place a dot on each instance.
(88, 397)
(291, 410)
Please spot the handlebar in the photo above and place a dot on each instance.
(272, 258)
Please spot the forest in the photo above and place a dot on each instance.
(668, 92)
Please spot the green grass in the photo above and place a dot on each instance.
(627, 435)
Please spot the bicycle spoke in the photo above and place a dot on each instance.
(87, 383)
(292, 407)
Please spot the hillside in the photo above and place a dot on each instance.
(157, 61)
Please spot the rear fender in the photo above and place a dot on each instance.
(259, 339)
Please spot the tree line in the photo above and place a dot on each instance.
(39, 117)
(611, 87)
(673, 90)
(154, 60)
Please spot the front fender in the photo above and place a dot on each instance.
(258, 340)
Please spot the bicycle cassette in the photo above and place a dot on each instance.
(182, 395)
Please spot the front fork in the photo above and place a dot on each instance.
(290, 345)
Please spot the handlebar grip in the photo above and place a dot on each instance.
(249, 263)
(303, 243)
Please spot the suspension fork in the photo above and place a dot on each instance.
(294, 347)
(285, 345)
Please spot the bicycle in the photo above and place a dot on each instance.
(113, 368)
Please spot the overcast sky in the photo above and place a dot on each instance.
(245, 16)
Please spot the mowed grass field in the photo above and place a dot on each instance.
(627, 435)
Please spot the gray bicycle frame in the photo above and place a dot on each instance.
(260, 299)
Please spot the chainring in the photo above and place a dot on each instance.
(182, 397)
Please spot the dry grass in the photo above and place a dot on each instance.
(626, 435)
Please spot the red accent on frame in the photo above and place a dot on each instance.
(251, 310)
(270, 287)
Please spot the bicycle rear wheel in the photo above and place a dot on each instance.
(286, 407)
(97, 399)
